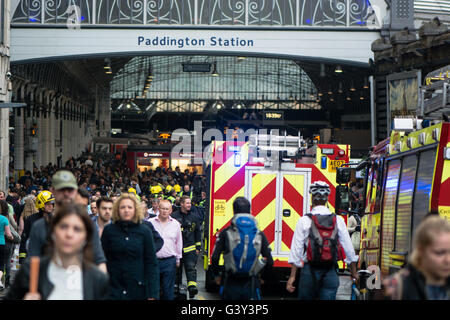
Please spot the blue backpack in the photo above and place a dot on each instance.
(245, 246)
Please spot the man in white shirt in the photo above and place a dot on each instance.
(317, 281)
(154, 210)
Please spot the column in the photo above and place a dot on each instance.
(19, 142)
(52, 134)
(4, 148)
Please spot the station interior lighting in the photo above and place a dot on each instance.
(366, 84)
(352, 88)
(338, 69)
(214, 72)
(107, 66)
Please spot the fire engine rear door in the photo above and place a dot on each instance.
(293, 203)
(261, 188)
(270, 192)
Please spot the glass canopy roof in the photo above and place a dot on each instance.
(163, 78)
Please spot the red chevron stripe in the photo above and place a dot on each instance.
(269, 231)
(221, 157)
(264, 197)
(233, 185)
(292, 196)
(444, 199)
(286, 234)
(318, 176)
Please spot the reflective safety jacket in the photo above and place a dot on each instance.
(171, 199)
(190, 229)
(189, 194)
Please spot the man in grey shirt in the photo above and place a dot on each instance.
(64, 189)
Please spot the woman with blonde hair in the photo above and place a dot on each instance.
(28, 210)
(427, 277)
(130, 253)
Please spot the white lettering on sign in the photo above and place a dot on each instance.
(153, 154)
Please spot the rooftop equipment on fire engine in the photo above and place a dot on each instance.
(435, 95)
(271, 149)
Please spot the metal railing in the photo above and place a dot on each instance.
(247, 13)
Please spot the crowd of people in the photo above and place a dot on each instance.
(103, 233)
(122, 223)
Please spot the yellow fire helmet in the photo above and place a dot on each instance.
(132, 190)
(44, 197)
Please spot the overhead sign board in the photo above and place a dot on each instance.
(41, 43)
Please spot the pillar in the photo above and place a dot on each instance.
(19, 143)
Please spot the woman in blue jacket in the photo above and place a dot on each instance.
(130, 253)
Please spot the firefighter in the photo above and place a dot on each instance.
(133, 191)
(172, 196)
(177, 188)
(190, 227)
(168, 188)
(45, 203)
(187, 192)
(202, 202)
(155, 189)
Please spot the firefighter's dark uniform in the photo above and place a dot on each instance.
(190, 228)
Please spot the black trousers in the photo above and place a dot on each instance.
(189, 263)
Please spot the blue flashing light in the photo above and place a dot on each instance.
(323, 162)
(237, 159)
(308, 21)
(33, 20)
(82, 18)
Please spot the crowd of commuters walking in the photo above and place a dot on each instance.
(101, 232)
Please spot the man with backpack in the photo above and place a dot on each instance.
(242, 243)
(317, 245)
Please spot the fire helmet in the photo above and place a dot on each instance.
(43, 198)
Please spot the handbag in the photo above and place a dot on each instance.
(16, 237)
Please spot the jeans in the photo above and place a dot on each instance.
(317, 283)
(240, 289)
(167, 272)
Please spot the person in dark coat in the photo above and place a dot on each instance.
(67, 270)
(130, 253)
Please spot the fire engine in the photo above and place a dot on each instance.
(407, 177)
(274, 172)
